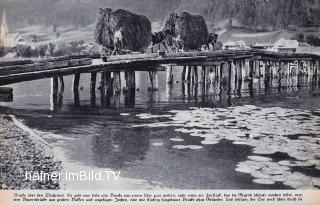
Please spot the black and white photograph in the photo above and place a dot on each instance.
(159, 95)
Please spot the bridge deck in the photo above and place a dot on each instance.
(13, 71)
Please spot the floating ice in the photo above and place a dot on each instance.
(187, 146)
(179, 147)
(176, 139)
(259, 159)
(267, 130)
(263, 181)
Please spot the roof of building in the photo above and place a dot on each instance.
(284, 43)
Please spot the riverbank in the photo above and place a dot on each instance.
(20, 153)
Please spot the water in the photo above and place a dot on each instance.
(253, 138)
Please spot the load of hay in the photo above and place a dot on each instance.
(136, 29)
(191, 29)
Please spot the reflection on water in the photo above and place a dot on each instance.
(250, 135)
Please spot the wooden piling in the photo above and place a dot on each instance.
(203, 75)
(225, 73)
(116, 82)
(246, 70)
(207, 74)
(183, 75)
(54, 93)
(188, 74)
(153, 80)
(218, 72)
(317, 71)
(169, 76)
(76, 81)
(108, 88)
(239, 70)
(233, 71)
(61, 82)
(267, 75)
(251, 69)
(93, 88)
(256, 69)
(55, 84)
(280, 75)
(130, 88)
(130, 80)
(195, 74)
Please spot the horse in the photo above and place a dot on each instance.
(118, 41)
(160, 38)
(177, 44)
(212, 39)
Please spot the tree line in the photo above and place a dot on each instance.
(255, 14)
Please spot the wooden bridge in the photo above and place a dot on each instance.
(226, 66)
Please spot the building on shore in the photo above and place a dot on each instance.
(4, 30)
(304, 48)
(286, 46)
(7, 39)
(235, 45)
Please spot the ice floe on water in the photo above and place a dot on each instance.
(157, 144)
(187, 146)
(294, 132)
(176, 139)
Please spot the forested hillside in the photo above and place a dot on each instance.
(256, 14)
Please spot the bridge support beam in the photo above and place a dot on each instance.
(233, 72)
(183, 75)
(76, 81)
(188, 74)
(54, 93)
(256, 72)
(317, 72)
(195, 78)
(300, 73)
(130, 88)
(203, 75)
(76, 96)
(93, 88)
(239, 72)
(169, 76)
(153, 80)
(279, 73)
(130, 80)
(61, 82)
(55, 84)
(267, 74)
(246, 69)
(116, 82)
(225, 74)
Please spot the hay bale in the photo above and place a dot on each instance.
(192, 29)
(42, 49)
(23, 50)
(136, 29)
